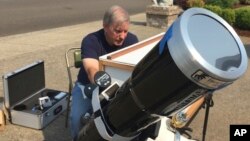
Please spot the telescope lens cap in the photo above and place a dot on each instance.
(204, 44)
(88, 90)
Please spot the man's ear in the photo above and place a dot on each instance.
(105, 27)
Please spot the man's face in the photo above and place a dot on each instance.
(116, 33)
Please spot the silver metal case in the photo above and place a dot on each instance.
(22, 90)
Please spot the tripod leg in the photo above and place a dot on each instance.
(208, 103)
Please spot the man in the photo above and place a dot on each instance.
(113, 36)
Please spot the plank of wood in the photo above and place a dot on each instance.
(2, 120)
(138, 46)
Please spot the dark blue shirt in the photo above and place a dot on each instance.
(95, 45)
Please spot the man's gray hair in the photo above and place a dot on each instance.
(115, 14)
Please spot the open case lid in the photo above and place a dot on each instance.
(24, 82)
(128, 57)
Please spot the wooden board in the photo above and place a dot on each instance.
(2, 120)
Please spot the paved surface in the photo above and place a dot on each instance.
(231, 104)
(24, 16)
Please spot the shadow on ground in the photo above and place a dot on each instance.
(56, 131)
(247, 47)
(138, 23)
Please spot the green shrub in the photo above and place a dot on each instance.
(244, 1)
(242, 18)
(181, 3)
(228, 15)
(222, 3)
(214, 8)
(195, 3)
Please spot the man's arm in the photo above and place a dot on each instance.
(91, 66)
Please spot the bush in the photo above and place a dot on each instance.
(223, 3)
(181, 3)
(215, 9)
(195, 3)
(244, 1)
(242, 18)
(228, 15)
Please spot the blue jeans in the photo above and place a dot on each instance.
(80, 106)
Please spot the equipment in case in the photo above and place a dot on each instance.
(28, 102)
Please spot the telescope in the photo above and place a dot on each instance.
(200, 53)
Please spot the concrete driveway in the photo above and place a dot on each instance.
(231, 104)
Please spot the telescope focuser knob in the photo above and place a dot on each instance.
(102, 79)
